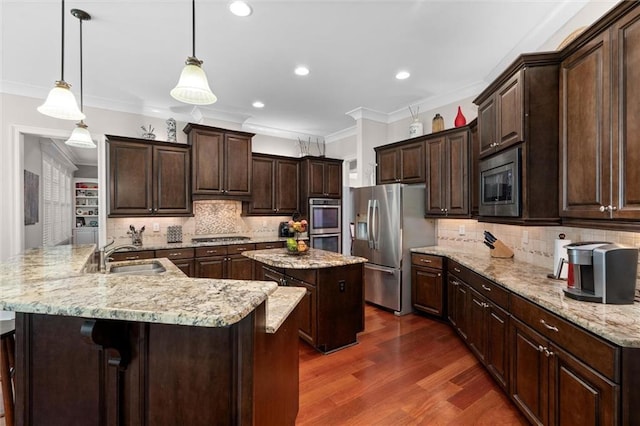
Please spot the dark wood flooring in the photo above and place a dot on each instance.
(408, 370)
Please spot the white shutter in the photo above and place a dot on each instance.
(57, 202)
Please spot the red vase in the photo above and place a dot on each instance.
(460, 119)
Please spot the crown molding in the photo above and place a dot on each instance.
(279, 133)
(341, 134)
(368, 114)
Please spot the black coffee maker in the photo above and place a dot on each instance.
(283, 230)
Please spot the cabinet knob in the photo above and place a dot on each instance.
(150, 210)
(155, 210)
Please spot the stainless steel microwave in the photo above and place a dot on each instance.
(500, 184)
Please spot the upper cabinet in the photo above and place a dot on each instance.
(600, 148)
(321, 178)
(148, 178)
(402, 162)
(275, 186)
(447, 189)
(221, 162)
(521, 107)
(501, 119)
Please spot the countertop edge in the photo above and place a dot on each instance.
(280, 304)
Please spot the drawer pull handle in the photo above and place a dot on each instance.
(457, 270)
(211, 251)
(241, 249)
(132, 257)
(455, 283)
(174, 254)
(484, 287)
(549, 327)
(478, 303)
(425, 260)
(541, 348)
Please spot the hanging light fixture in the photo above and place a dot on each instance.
(193, 87)
(80, 137)
(60, 102)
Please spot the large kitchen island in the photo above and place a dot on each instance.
(331, 314)
(162, 349)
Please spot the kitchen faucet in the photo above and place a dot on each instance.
(104, 254)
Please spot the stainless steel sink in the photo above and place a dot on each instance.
(153, 267)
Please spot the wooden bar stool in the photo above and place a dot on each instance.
(7, 363)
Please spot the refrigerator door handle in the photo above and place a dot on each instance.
(376, 220)
(369, 218)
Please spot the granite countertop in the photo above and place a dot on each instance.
(280, 304)
(53, 281)
(619, 324)
(315, 259)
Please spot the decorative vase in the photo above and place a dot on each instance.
(415, 128)
(149, 136)
(460, 119)
(437, 125)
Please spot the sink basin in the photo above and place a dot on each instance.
(150, 268)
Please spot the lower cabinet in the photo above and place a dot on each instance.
(224, 262)
(457, 292)
(182, 258)
(427, 293)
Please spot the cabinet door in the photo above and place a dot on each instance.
(239, 267)
(579, 395)
(509, 111)
(185, 265)
(237, 165)
(172, 190)
(387, 170)
(457, 180)
(412, 160)
(287, 188)
(333, 180)
(584, 137)
(477, 328)
(307, 313)
(461, 303)
(497, 350)
(130, 163)
(487, 127)
(210, 267)
(529, 373)
(208, 158)
(435, 199)
(626, 110)
(316, 178)
(452, 311)
(262, 199)
(426, 290)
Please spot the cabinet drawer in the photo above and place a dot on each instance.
(492, 291)
(267, 246)
(133, 255)
(309, 276)
(596, 352)
(458, 270)
(211, 251)
(239, 248)
(171, 254)
(427, 260)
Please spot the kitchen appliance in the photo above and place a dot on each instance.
(602, 272)
(325, 224)
(388, 221)
(284, 231)
(500, 177)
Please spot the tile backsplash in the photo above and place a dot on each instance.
(532, 244)
(215, 217)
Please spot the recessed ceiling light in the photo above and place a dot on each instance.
(240, 8)
(403, 75)
(301, 70)
(258, 104)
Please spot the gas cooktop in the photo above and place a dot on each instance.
(218, 239)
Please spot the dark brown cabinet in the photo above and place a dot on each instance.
(148, 178)
(224, 262)
(427, 284)
(321, 178)
(182, 258)
(221, 162)
(600, 149)
(447, 189)
(521, 108)
(275, 186)
(457, 292)
(401, 162)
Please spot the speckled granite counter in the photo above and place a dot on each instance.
(280, 304)
(51, 281)
(619, 324)
(315, 259)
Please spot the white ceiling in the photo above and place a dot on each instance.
(134, 51)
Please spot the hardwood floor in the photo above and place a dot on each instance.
(408, 370)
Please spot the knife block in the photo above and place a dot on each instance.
(501, 251)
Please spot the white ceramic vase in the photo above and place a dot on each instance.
(415, 128)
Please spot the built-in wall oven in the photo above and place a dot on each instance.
(325, 224)
(500, 177)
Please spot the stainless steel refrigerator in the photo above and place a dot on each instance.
(388, 221)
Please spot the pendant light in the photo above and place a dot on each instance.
(193, 87)
(80, 137)
(60, 102)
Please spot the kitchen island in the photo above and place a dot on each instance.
(147, 349)
(331, 313)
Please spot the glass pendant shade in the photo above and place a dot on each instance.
(193, 87)
(61, 103)
(80, 137)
